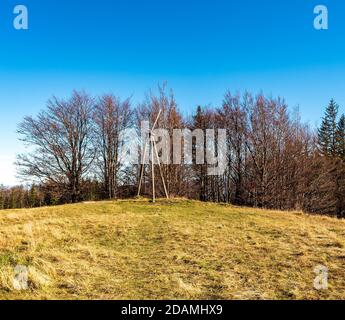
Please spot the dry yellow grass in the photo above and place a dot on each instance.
(170, 250)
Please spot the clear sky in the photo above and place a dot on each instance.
(202, 48)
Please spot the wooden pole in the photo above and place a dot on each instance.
(142, 168)
(153, 149)
(152, 158)
(153, 172)
(160, 170)
(154, 125)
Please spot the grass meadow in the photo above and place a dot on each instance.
(176, 249)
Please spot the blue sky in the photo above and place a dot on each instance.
(202, 48)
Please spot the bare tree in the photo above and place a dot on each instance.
(60, 144)
(232, 116)
(111, 117)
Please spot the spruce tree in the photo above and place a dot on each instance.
(327, 131)
(340, 143)
(340, 138)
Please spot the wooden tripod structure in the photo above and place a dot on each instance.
(154, 153)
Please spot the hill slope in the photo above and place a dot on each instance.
(178, 249)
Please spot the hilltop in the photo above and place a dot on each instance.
(169, 250)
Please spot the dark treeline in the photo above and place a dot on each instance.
(274, 160)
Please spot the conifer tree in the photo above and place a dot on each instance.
(327, 132)
(340, 138)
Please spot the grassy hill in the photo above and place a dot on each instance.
(169, 250)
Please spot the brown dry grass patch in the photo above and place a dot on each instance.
(170, 250)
